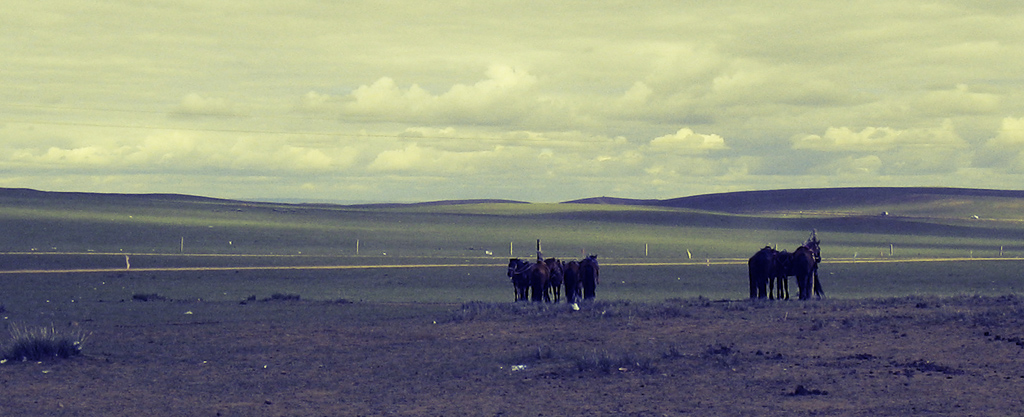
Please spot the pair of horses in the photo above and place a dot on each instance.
(769, 267)
(543, 280)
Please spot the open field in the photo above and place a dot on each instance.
(235, 308)
(869, 357)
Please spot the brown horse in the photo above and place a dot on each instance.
(540, 274)
(573, 283)
(590, 275)
(760, 269)
(519, 273)
(556, 278)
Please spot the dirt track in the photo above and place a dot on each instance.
(907, 356)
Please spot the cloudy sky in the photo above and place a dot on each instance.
(529, 100)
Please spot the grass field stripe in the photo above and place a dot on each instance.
(489, 265)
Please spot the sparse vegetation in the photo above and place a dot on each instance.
(40, 343)
(606, 362)
(148, 297)
(282, 297)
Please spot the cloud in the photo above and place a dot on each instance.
(194, 104)
(721, 97)
(314, 102)
(889, 151)
(1005, 151)
(506, 96)
(875, 139)
(686, 141)
(958, 101)
(188, 151)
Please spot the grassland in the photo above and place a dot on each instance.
(242, 308)
(200, 248)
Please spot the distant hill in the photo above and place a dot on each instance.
(813, 199)
(27, 193)
(440, 203)
(866, 200)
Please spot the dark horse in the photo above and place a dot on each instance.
(573, 283)
(540, 274)
(803, 263)
(556, 278)
(590, 275)
(760, 270)
(519, 272)
(779, 278)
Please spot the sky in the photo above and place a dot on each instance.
(540, 101)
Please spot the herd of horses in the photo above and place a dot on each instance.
(772, 268)
(768, 270)
(544, 279)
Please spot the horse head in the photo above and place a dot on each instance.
(513, 263)
(814, 245)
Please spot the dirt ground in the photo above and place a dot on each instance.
(905, 356)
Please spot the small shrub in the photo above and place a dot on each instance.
(148, 297)
(282, 297)
(608, 363)
(39, 343)
(674, 352)
(722, 355)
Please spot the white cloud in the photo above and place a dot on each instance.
(187, 151)
(686, 141)
(889, 151)
(875, 139)
(507, 95)
(1005, 151)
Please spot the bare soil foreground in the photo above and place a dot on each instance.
(901, 356)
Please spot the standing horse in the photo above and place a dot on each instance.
(760, 269)
(590, 275)
(519, 273)
(573, 282)
(557, 274)
(804, 264)
(779, 278)
(540, 274)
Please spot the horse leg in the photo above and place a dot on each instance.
(818, 291)
(806, 284)
(753, 284)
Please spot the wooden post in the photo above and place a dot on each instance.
(645, 250)
(357, 246)
(182, 249)
(890, 249)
